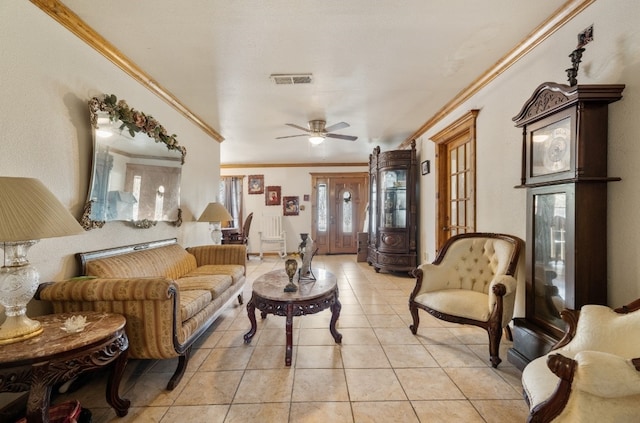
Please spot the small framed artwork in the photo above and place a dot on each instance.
(256, 184)
(425, 167)
(272, 196)
(306, 197)
(290, 206)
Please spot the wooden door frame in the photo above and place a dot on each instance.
(361, 212)
(464, 126)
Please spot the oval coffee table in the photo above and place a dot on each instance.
(312, 297)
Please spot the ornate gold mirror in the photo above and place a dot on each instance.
(136, 168)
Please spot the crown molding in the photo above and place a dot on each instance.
(73, 23)
(271, 165)
(561, 16)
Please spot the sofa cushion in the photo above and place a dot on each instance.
(192, 302)
(171, 261)
(216, 284)
(236, 271)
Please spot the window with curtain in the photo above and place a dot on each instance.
(231, 198)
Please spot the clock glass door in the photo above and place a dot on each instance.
(548, 278)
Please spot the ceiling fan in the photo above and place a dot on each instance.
(317, 131)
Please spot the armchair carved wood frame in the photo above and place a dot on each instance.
(472, 281)
(576, 369)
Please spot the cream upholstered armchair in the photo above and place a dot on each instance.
(593, 373)
(472, 281)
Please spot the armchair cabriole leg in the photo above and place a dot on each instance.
(416, 319)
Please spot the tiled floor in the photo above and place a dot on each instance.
(380, 373)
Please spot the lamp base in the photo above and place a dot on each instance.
(216, 233)
(18, 328)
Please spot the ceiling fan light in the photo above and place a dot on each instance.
(316, 139)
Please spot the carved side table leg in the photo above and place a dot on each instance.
(335, 314)
(251, 312)
(39, 395)
(289, 331)
(120, 405)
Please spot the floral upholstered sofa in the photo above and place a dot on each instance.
(169, 295)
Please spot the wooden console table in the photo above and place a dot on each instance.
(55, 356)
(311, 297)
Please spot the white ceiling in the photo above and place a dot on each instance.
(384, 66)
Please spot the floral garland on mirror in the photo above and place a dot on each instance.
(134, 121)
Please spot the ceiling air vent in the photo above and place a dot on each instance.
(290, 79)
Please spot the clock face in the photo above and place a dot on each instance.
(551, 148)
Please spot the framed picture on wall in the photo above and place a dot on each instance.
(290, 206)
(272, 196)
(256, 184)
(425, 167)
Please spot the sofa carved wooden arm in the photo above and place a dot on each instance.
(593, 373)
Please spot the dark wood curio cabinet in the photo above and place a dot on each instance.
(393, 209)
(564, 170)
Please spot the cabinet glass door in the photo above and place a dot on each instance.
(393, 198)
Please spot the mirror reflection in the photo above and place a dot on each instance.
(136, 168)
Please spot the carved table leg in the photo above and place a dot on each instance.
(39, 395)
(335, 314)
(251, 312)
(120, 405)
(289, 331)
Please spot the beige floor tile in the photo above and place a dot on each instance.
(384, 412)
(436, 335)
(364, 356)
(206, 388)
(482, 383)
(274, 336)
(318, 357)
(208, 339)
(319, 320)
(511, 375)
(232, 338)
(402, 356)
(381, 308)
(470, 334)
(359, 336)
(270, 385)
(139, 415)
(321, 412)
(500, 411)
(150, 389)
(258, 413)
(454, 411)
(374, 385)
(386, 321)
(350, 309)
(316, 337)
(196, 414)
(319, 385)
(396, 336)
(428, 384)
(353, 321)
(270, 357)
(454, 356)
(227, 359)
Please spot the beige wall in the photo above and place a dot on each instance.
(294, 181)
(47, 75)
(612, 58)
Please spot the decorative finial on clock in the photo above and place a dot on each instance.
(584, 38)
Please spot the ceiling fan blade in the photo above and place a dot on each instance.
(292, 136)
(297, 127)
(337, 126)
(342, 137)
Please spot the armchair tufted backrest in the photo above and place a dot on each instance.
(602, 329)
(476, 258)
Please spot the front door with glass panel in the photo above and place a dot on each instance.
(338, 211)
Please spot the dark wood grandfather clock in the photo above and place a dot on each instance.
(564, 170)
